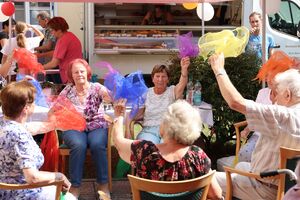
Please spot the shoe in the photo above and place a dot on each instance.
(103, 195)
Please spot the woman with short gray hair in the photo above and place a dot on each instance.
(176, 158)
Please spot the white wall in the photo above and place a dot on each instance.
(74, 15)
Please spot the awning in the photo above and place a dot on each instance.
(128, 1)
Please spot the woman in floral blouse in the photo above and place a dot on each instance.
(174, 159)
(87, 98)
(20, 156)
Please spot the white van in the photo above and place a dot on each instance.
(284, 25)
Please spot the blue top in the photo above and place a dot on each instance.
(255, 44)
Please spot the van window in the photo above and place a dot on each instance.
(287, 19)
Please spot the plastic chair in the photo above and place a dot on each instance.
(64, 151)
(285, 154)
(58, 184)
(196, 188)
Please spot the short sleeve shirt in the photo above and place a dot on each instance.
(255, 44)
(18, 151)
(67, 48)
(3, 35)
(156, 105)
(149, 163)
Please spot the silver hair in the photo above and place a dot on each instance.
(43, 15)
(289, 80)
(182, 122)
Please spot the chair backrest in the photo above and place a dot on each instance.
(58, 184)
(140, 185)
(286, 162)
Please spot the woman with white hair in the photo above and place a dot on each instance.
(180, 127)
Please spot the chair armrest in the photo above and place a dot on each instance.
(237, 127)
(131, 127)
(229, 171)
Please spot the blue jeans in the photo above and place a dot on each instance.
(78, 142)
(150, 133)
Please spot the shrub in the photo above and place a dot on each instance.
(241, 71)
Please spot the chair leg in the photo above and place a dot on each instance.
(109, 168)
(63, 164)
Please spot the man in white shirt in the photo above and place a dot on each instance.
(278, 124)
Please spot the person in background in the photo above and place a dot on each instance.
(158, 99)
(176, 158)
(159, 16)
(87, 98)
(278, 125)
(21, 41)
(255, 39)
(20, 156)
(5, 33)
(67, 48)
(45, 51)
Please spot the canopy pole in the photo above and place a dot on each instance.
(264, 23)
(202, 21)
(9, 42)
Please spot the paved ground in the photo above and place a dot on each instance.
(121, 190)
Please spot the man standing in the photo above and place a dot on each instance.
(255, 39)
(278, 124)
(45, 51)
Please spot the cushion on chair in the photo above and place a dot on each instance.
(225, 161)
(63, 146)
(195, 195)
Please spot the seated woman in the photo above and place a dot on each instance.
(179, 128)
(87, 98)
(158, 99)
(20, 156)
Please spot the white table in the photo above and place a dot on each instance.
(205, 111)
(39, 114)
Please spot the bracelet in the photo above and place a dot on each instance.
(184, 76)
(221, 72)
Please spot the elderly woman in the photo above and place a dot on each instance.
(20, 156)
(158, 99)
(180, 127)
(67, 48)
(87, 98)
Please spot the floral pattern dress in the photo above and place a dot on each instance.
(148, 163)
(18, 150)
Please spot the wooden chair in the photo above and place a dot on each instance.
(285, 154)
(170, 187)
(64, 151)
(58, 184)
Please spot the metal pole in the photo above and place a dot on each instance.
(9, 42)
(264, 23)
(202, 19)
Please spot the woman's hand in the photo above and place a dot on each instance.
(66, 184)
(185, 62)
(119, 107)
(217, 62)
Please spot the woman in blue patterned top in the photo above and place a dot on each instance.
(20, 156)
(87, 98)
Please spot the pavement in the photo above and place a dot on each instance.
(120, 191)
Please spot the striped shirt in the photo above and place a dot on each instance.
(279, 126)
